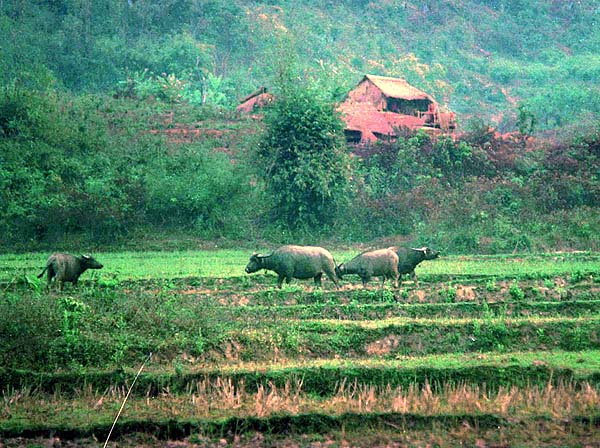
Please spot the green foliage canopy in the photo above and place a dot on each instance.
(476, 56)
(64, 174)
(303, 158)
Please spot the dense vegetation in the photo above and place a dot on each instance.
(303, 159)
(87, 171)
(90, 91)
(482, 57)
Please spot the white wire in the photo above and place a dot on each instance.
(125, 400)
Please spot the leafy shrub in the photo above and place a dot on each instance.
(526, 121)
(491, 285)
(64, 175)
(170, 88)
(515, 291)
(22, 331)
(449, 294)
(144, 84)
(193, 189)
(303, 158)
(505, 71)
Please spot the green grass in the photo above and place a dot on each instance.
(491, 328)
(141, 265)
(356, 310)
(225, 263)
(322, 376)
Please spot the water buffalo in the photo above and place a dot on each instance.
(376, 263)
(409, 258)
(68, 268)
(300, 262)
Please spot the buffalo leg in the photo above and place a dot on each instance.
(49, 276)
(365, 280)
(413, 276)
(317, 279)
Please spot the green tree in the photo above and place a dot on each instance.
(304, 158)
(526, 120)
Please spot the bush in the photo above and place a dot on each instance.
(303, 158)
(195, 189)
(515, 291)
(21, 330)
(482, 193)
(65, 176)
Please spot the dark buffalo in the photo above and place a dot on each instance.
(409, 258)
(68, 268)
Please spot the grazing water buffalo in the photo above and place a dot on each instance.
(409, 258)
(68, 268)
(376, 263)
(300, 262)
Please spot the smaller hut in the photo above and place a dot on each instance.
(253, 103)
(379, 106)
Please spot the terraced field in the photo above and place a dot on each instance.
(188, 351)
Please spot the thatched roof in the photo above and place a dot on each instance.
(256, 93)
(397, 88)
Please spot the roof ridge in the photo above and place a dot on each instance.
(389, 78)
(389, 86)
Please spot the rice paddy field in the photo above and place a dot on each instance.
(188, 350)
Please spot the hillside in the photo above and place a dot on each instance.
(117, 124)
(482, 58)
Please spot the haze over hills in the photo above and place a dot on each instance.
(482, 58)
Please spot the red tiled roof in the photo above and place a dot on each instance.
(370, 121)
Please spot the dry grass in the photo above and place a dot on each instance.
(221, 397)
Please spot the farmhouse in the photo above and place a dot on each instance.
(254, 102)
(379, 106)
(376, 109)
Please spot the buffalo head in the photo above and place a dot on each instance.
(256, 263)
(428, 253)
